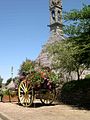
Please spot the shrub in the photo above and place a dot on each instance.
(87, 76)
(5, 92)
(76, 92)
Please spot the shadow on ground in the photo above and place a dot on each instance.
(37, 105)
(78, 106)
(82, 107)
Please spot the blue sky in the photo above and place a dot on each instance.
(23, 30)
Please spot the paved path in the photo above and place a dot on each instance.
(13, 111)
(3, 116)
(1, 119)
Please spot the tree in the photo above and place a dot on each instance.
(1, 79)
(26, 66)
(62, 56)
(73, 54)
(79, 31)
(79, 35)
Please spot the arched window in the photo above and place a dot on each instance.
(53, 14)
(58, 15)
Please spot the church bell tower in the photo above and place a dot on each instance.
(55, 7)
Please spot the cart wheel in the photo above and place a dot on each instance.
(25, 93)
(47, 96)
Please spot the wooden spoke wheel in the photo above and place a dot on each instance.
(47, 96)
(25, 93)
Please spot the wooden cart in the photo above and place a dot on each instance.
(29, 88)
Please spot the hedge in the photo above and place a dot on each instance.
(76, 92)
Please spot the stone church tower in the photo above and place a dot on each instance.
(55, 8)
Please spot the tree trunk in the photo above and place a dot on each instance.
(78, 74)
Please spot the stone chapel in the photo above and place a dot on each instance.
(56, 32)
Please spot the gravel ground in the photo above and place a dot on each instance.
(13, 111)
(0, 118)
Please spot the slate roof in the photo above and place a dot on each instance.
(43, 56)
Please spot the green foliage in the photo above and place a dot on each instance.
(27, 66)
(76, 92)
(78, 14)
(53, 77)
(65, 57)
(68, 87)
(73, 54)
(76, 85)
(6, 92)
(87, 76)
(36, 76)
(79, 32)
(1, 79)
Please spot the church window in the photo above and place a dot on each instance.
(53, 14)
(58, 15)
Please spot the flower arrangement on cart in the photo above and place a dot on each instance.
(33, 82)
